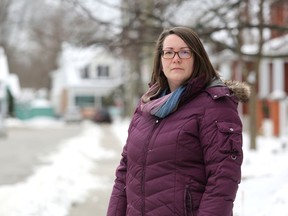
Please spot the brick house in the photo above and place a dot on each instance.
(272, 86)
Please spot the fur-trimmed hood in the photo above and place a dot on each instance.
(240, 89)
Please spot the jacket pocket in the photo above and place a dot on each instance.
(233, 137)
(229, 127)
(188, 205)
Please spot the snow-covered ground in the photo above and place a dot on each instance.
(67, 178)
(264, 187)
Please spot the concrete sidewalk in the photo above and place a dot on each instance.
(97, 202)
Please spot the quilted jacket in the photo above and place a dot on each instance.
(187, 164)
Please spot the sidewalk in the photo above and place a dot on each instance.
(97, 202)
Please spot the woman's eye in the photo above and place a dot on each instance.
(186, 52)
(168, 52)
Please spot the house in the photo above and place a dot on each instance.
(9, 91)
(272, 86)
(85, 76)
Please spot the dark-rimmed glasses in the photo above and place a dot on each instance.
(182, 54)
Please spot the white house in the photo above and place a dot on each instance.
(9, 84)
(84, 77)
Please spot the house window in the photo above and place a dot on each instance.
(85, 73)
(103, 71)
(85, 101)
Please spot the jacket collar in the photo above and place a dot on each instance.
(235, 88)
(216, 88)
(193, 87)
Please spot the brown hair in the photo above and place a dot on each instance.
(202, 64)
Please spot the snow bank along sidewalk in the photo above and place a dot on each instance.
(65, 180)
(264, 187)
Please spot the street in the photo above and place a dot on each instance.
(24, 149)
(21, 151)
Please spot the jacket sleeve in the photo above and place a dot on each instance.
(117, 204)
(221, 140)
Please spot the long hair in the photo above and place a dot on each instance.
(202, 64)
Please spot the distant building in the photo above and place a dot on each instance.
(85, 76)
(9, 91)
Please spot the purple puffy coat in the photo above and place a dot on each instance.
(187, 164)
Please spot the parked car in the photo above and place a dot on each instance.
(102, 116)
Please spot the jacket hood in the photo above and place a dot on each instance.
(240, 89)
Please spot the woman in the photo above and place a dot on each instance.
(183, 153)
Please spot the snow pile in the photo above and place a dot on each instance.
(120, 129)
(37, 122)
(264, 188)
(55, 187)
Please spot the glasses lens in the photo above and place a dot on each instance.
(184, 54)
(168, 54)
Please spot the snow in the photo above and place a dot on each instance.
(263, 190)
(14, 85)
(53, 188)
(41, 103)
(276, 46)
(4, 72)
(67, 178)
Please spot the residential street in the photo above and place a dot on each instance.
(23, 148)
(26, 149)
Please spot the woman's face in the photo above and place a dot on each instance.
(177, 70)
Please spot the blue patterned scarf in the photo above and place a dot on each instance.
(164, 104)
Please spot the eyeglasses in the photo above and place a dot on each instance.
(182, 54)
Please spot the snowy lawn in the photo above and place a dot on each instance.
(264, 188)
(68, 179)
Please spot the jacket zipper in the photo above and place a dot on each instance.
(188, 205)
(144, 166)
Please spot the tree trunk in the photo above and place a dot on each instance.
(254, 98)
(253, 116)
(133, 88)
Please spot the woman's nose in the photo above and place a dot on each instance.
(176, 58)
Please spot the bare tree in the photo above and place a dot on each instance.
(4, 25)
(239, 25)
(4, 8)
(32, 33)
